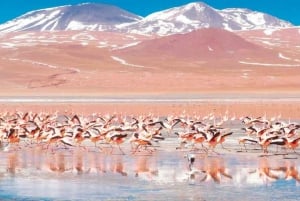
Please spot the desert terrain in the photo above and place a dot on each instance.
(99, 63)
(255, 71)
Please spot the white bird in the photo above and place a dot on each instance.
(191, 159)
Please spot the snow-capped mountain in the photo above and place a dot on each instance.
(101, 17)
(88, 16)
(199, 15)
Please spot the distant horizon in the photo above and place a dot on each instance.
(285, 10)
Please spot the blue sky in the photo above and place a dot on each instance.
(284, 9)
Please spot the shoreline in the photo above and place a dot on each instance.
(287, 110)
(100, 100)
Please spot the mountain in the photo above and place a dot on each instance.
(101, 17)
(199, 15)
(88, 16)
(207, 44)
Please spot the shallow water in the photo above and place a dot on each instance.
(31, 174)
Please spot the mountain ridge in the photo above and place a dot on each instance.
(197, 15)
(105, 17)
(203, 44)
(87, 16)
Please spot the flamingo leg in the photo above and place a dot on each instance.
(224, 147)
(245, 147)
(121, 150)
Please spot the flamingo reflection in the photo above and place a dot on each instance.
(208, 169)
(12, 163)
(214, 169)
(59, 163)
(142, 167)
(270, 172)
(291, 172)
(117, 166)
(196, 168)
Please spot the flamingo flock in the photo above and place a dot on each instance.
(69, 142)
(270, 132)
(143, 133)
(72, 130)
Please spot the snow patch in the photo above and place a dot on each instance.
(280, 55)
(84, 43)
(199, 8)
(83, 37)
(226, 27)
(256, 18)
(184, 19)
(246, 70)
(210, 49)
(245, 75)
(19, 24)
(263, 38)
(131, 37)
(123, 62)
(54, 22)
(7, 45)
(48, 17)
(103, 44)
(23, 36)
(269, 32)
(268, 64)
(132, 18)
(32, 62)
(162, 15)
(269, 43)
(75, 69)
(40, 64)
(48, 41)
(127, 45)
(77, 26)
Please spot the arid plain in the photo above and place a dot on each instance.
(243, 72)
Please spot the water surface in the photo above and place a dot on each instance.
(32, 174)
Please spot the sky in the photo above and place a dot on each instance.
(284, 9)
